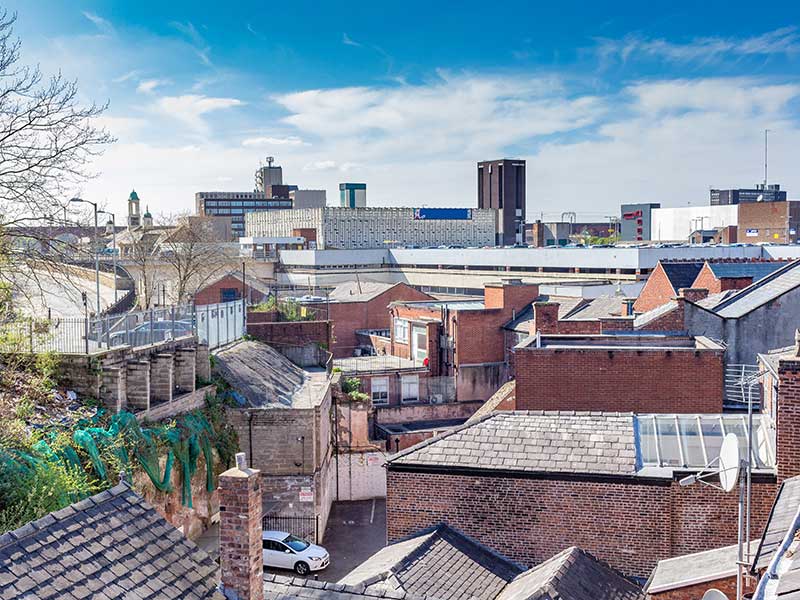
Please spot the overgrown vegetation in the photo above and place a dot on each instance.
(352, 387)
(289, 310)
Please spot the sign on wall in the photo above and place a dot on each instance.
(442, 214)
(751, 232)
(306, 495)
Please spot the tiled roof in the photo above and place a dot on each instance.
(111, 545)
(280, 587)
(767, 289)
(599, 308)
(781, 519)
(354, 291)
(524, 318)
(735, 270)
(681, 274)
(533, 441)
(691, 569)
(572, 575)
(441, 563)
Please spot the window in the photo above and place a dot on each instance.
(401, 331)
(419, 344)
(379, 389)
(410, 388)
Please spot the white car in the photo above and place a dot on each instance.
(285, 551)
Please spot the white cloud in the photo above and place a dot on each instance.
(348, 41)
(320, 165)
(705, 49)
(102, 24)
(291, 140)
(148, 86)
(198, 43)
(191, 108)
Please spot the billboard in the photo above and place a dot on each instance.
(442, 214)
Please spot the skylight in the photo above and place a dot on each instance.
(694, 441)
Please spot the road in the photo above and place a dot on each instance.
(60, 294)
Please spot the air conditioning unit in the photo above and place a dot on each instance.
(437, 398)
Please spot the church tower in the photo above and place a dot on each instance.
(134, 219)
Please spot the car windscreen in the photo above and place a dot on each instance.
(295, 543)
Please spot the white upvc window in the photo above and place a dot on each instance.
(379, 390)
(409, 388)
(401, 331)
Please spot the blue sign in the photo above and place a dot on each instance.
(442, 214)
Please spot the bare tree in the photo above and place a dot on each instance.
(192, 251)
(140, 247)
(47, 141)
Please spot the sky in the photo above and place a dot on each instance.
(609, 102)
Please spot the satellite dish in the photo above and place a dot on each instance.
(714, 594)
(728, 465)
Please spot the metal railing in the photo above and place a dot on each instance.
(306, 527)
(213, 324)
(376, 363)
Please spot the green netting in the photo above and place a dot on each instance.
(124, 442)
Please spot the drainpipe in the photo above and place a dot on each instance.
(250, 436)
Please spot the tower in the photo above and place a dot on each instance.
(501, 186)
(147, 218)
(134, 219)
(268, 176)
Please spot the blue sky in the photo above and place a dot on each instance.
(608, 102)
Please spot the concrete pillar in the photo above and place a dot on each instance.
(202, 363)
(240, 548)
(162, 381)
(185, 366)
(113, 394)
(138, 385)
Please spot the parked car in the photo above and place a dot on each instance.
(286, 551)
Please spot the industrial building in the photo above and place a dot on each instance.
(353, 195)
(501, 186)
(636, 221)
(353, 228)
(760, 193)
(677, 224)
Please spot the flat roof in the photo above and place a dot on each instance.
(376, 364)
(621, 341)
(419, 426)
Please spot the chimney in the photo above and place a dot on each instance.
(693, 294)
(545, 317)
(240, 532)
(627, 307)
(510, 293)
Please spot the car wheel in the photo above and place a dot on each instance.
(301, 568)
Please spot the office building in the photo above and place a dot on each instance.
(349, 228)
(236, 205)
(501, 187)
(269, 175)
(760, 193)
(353, 195)
(636, 221)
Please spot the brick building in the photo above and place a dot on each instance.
(665, 281)
(232, 286)
(717, 277)
(776, 222)
(360, 306)
(535, 482)
(647, 373)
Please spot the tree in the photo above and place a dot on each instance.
(193, 252)
(47, 142)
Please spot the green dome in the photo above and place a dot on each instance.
(133, 196)
(147, 214)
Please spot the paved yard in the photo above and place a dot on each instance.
(356, 530)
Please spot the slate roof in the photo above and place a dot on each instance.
(681, 274)
(599, 308)
(780, 521)
(651, 315)
(252, 282)
(533, 441)
(736, 270)
(281, 587)
(111, 545)
(439, 563)
(574, 574)
(524, 318)
(354, 291)
(759, 293)
(691, 569)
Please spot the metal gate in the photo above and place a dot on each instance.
(306, 527)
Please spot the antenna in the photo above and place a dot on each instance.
(270, 160)
(766, 147)
(714, 594)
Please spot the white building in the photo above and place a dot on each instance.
(677, 224)
(376, 227)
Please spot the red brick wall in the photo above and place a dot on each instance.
(545, 320)
(630, 525)
(670, 321)
(656, 291)
(726, 585)
(769, 218)
(619, 380)
(291, 333)
(212, 294)
(788, 419)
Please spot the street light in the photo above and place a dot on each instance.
(114, 247)
(96, 254)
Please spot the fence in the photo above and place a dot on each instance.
(214, 324)
(306, 527)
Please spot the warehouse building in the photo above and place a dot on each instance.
(353, 228)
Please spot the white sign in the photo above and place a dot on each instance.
(751, 233)
(306, 495)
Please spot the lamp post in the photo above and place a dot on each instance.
(114, 247)
(96, 253)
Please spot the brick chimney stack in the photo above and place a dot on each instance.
(240, 531)
(693, 294)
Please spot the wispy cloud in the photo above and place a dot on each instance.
(320, 165)
(348, 41)
(197, 41)
(126, 77)
(191, 108)
(148, 86)
(273, 141)
(104, 25)
(256, 33)
(785, 40)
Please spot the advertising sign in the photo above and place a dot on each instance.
(442, 214)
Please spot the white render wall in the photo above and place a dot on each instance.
(677, 224)
(362, 228)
